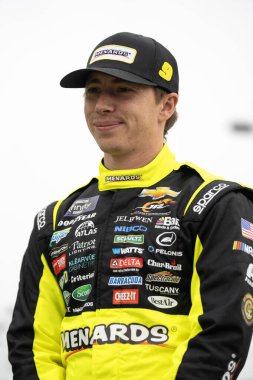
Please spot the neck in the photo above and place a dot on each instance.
(132, 161)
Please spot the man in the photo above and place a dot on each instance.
(146, 272)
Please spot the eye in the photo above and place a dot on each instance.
(91, 90)
(123, 89)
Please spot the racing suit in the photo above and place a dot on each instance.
(144, 273)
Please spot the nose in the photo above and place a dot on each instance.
(104, 103)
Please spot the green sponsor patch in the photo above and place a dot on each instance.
(135, 239)
(82, 292)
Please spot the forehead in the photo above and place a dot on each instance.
(98, 77)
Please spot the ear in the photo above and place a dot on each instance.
(168, 106)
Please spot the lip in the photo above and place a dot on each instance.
(107, 125)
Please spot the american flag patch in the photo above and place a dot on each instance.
(247, 229)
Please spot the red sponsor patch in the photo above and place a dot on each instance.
(125, 296)
(127, 262)
(59, 264)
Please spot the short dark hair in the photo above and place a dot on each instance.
(159, 93)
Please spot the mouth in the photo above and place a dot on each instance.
(107, 125)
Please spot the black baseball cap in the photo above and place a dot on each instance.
(132, 57)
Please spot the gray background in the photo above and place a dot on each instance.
(46, 150)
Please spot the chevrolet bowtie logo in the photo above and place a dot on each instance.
(159, 192)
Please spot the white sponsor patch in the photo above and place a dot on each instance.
(114, 53)
(162, 302)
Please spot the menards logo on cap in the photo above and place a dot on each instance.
(115, 53)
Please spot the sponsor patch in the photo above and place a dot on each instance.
(114, 53)
(170, 290)
(247, 229)
(166, 265)
(66, 296)
(208, 197)
(125, 297)
(164, 252)
(78, 218)
(168, 223)
(155, 207)
(63, 279)
(80, 309)
(86, 228)
(166, 71)
(59, 264)
(128, 262)
(133, 333)
(82, 205)
(81, 246)
(59, 235)
(240, 246)
(166, 239)
(82, 262)
(159, 192)
(123, 251)
(81, 277)
(58, 251)
(163, 277)
(162, 302)
(82, 292)
(249, 275)
(232, 367)
(41, 218)
(247, 309)
(132, 219)
(126, 280)
(130, 228)
(126, 239)
(122, 178)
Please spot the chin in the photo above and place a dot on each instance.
(113, 150)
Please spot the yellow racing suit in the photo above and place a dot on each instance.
(142, 274)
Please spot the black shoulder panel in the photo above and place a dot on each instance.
(209, 195)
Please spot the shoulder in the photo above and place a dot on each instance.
(211, 190)
(45, 219)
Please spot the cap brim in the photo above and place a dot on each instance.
(78, 78)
